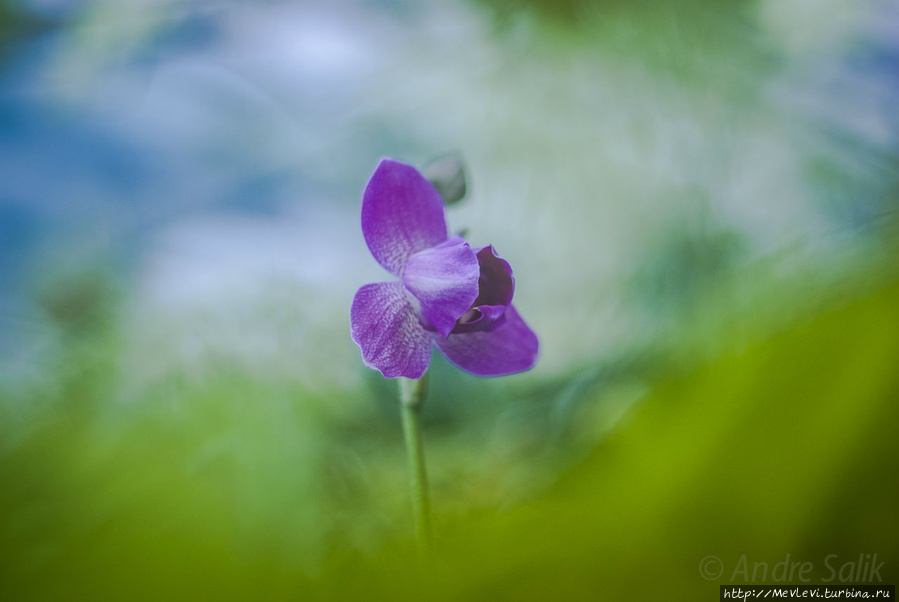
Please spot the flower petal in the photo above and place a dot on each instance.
(444, 279)
(509, 348)
(402, 214)
(481, 317)
(384, 324)
(496, 284)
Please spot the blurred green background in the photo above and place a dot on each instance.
(699, 200)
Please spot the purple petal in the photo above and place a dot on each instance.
(509, 348)
(481, 317)
(402, 214)
(384, 324)
(444, 279)
(496, 284)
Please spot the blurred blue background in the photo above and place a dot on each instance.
(699, 200)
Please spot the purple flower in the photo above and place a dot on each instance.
(448, 293)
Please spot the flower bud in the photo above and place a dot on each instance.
(447, 175)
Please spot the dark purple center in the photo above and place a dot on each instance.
(495, 289)
(496, 286)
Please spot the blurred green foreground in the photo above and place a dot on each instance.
(230, 488)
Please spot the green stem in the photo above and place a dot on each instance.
(412, 396)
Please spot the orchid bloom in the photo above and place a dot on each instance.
(448, 293)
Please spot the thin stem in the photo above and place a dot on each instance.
(412, 396)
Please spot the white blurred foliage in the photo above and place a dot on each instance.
(272, 295)
(576, 157)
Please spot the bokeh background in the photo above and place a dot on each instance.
(699, 199)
